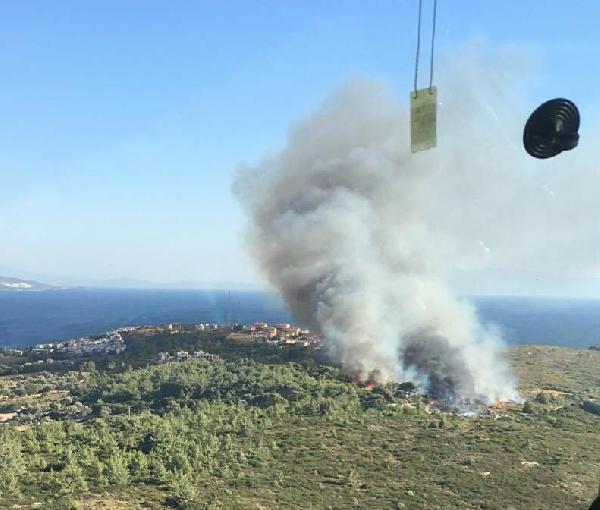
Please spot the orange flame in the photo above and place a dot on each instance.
(367, 385)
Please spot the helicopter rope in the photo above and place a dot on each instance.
(432, 45)
(419, 46)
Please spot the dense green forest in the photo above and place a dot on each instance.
(261, 431)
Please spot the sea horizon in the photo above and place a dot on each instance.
(28, 318)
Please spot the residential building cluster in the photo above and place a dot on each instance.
(164, 357)
(278, 334)
(111, 342)
(182, 328)
(11, 352)
(16, 285)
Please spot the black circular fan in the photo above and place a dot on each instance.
(551, 129)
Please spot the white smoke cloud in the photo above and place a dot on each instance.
(358, 235)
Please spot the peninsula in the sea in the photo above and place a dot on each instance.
(11, 284)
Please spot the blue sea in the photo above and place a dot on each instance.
(27, 318)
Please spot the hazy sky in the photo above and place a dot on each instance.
(124, 121)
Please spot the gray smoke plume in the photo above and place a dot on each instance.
(357, 234)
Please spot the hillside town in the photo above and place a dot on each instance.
(257, 332)
(16, 285)
(284, 334)
(112, 342)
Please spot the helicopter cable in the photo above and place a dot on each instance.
(418, 46)
(432, 45)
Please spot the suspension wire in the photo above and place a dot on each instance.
(432, 45)
(418, 46)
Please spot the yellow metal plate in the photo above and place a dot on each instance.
(423, 119)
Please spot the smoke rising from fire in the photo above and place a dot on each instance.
(358, 235)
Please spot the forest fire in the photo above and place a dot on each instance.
(492, 410)
(367, 385)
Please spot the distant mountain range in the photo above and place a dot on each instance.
(8, 284)
(33, 283)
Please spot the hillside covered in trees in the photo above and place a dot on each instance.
(281, 428)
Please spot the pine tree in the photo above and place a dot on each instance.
(11, 462)
(116, 469)
(71, 478)
(183, 488)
